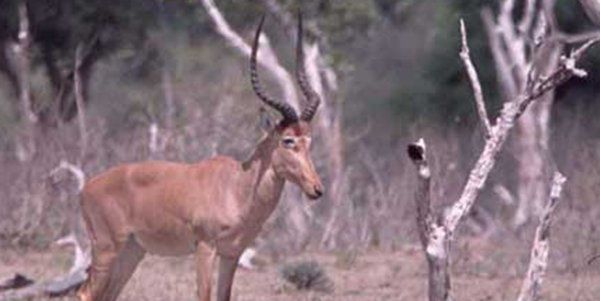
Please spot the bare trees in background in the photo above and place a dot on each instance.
(436, 232)
(525, 47)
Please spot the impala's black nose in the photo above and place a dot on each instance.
(318, 191)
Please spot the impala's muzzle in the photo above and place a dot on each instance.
(316, 193)
(313, 189)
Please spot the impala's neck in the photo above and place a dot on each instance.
(265, 185)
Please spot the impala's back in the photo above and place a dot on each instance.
(158, 203)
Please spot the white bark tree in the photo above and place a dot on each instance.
(519, 54)
(436, 232)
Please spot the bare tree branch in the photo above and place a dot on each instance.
(513, 42)
(565, 71)
(576, 38)
(475, 84)
(267, 57)
(286, 19)
(501, 58)
(80, 102)
(528, 16)
(504, 123)
(20, 49)
(532, 283)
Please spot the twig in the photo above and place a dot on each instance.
(475, 84)
(541, 245)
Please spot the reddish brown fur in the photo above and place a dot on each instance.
(214, 208)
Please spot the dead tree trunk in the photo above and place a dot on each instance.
(436, 232)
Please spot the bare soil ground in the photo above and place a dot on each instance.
(372, 275)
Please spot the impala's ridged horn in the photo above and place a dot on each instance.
(312, 98)
(287, 111)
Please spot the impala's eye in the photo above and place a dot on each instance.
(289, 142)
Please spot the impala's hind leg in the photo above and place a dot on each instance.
(123, 267)
(107, 243)
(104, 254)
(99, 273)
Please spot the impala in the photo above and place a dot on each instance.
(213, 208)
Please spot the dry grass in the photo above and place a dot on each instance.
(374, 275)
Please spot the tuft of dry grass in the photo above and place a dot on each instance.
(306, 275)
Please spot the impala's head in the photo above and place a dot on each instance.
(290, 156)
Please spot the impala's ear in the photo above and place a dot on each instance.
(266, 124)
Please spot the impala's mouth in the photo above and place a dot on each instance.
(317, 192)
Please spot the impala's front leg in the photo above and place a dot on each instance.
(205, 258)
(227, 267)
